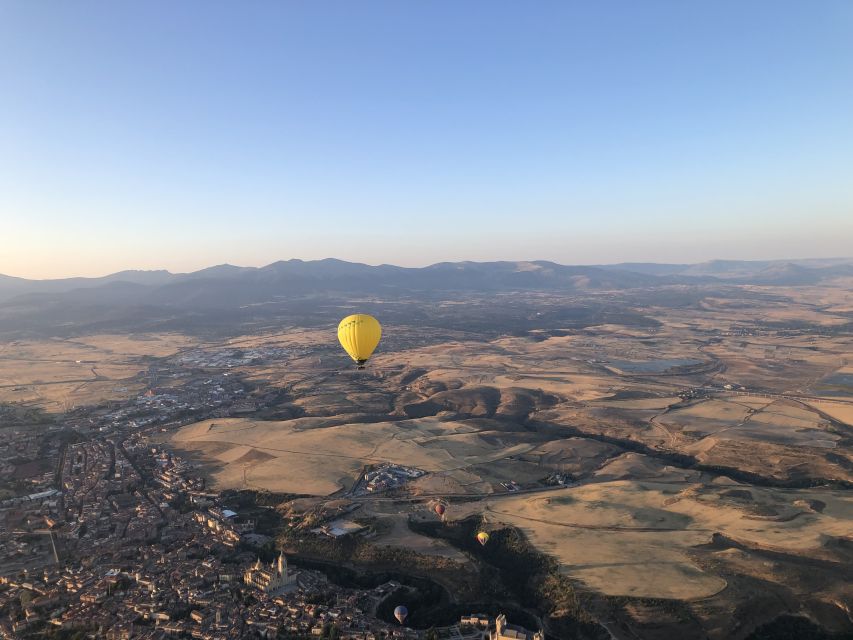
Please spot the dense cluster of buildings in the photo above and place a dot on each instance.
(169, 397)
(130, 564)
(216, 395)
(227, 358)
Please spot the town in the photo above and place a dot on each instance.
(106, 535)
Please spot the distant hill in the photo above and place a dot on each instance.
(781, 272)
(318, 276)
(11, 286)
(226, 285)
(139, 298)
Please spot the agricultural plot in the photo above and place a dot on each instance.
(56, 375)
(322, 460)
(639, 538)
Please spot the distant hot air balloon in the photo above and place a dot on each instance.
(483, 538)
(359, 334)
(400, 613)
(440, 509)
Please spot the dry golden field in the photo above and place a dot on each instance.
(613, 536)
(59, 374)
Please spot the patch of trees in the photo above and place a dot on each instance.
(249, 498)
(258, 506)
(794, 628)
(267, 552)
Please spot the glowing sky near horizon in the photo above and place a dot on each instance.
(181, 135)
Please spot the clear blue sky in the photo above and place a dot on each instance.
(183, 134)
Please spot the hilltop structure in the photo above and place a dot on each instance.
(272, 579)
(504, 631)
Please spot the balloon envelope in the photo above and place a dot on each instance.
(400, 613)
(440, 509)
(359, 334)
(483, 538)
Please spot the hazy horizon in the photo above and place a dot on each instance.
(173, 136)
(428, 264)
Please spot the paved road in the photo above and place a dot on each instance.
(429, 496)
(778, 396)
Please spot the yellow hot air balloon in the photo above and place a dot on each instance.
(359, 334)
(483, 538)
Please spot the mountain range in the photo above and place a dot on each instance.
(331, 275)
(159, 293)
